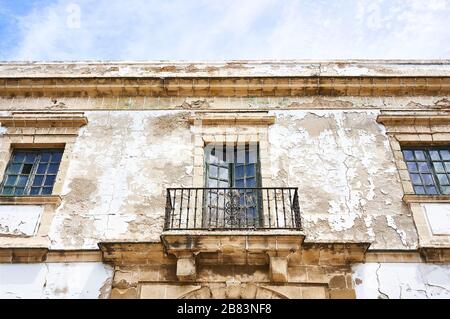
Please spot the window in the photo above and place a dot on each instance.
(429, 169)
(238, 168)
(31, 172)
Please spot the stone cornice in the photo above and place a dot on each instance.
(273, 85)
(30, 200)
(230, 68)
(44, 119)
(423, 117)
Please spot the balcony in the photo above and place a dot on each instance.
(222, 209)
(233, 226)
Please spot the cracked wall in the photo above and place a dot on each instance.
(116, 182)
(401, 281)
(123, 161)
(349, 185)
(55, 280)
(19, 220)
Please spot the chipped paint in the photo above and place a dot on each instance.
(19, 220)
(343, 165)
(55, 280)
(401, 281)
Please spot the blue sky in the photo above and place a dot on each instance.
(221, 29)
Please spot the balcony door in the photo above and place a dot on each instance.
(232, 198)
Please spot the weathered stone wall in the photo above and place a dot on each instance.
(123, 161)
(401, 281)
(55, 280)
(348, 182)
(116, 182)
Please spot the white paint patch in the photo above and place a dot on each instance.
(391, 223)
(20, 220)
(55, 280)
(401, 281)
(438, 216)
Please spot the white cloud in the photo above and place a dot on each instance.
(235, 29)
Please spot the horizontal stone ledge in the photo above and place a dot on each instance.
(44, 119)
(436, 254)
(412, 198)
(30, 200)
(31, 254)
(233, 120)
(225, 86)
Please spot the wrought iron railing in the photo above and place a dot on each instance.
(232, 208)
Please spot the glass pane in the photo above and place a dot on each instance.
(11, 180)
(423, 167)
(446, 190)
(415, 178)
(435, 155)
(45, 157)
(443, 180)
(240, 183)
(419, 190)
(22, 180)
(49, 180)
(223, 184)
(53, 169)
(38, 180)
(56, 157)
(250, 170)
(19, 157)
(412, 167)
(26, 168)
(427, 179)
(431, 190)
(19, 191)
(47, 191)
(445, 154)
(420, 156)
(239, 172)
(30, 158)
(223, 173)
(212, 182)
(14, 169)
(409, 156)
(41, 169)
(7, 191)
(212, 171)
(34, 190)
(438, 167)
(251, 182)
(447, 166)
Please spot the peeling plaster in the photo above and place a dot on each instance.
(19, 220)
(55, 280)
(119, 192)
(401, 281)
(344, 167)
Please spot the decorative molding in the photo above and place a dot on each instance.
(435, 254)
(396, 118)
(230, 119)
(44, 119)
(30, 200)
(23, 254)
(30, 254)
(412, 198)
(226, 86)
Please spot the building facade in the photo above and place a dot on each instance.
(239, 179)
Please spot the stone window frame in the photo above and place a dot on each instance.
(38, 130)
(233, 129)
(425, 128)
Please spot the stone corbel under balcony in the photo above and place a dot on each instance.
(235, 247)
